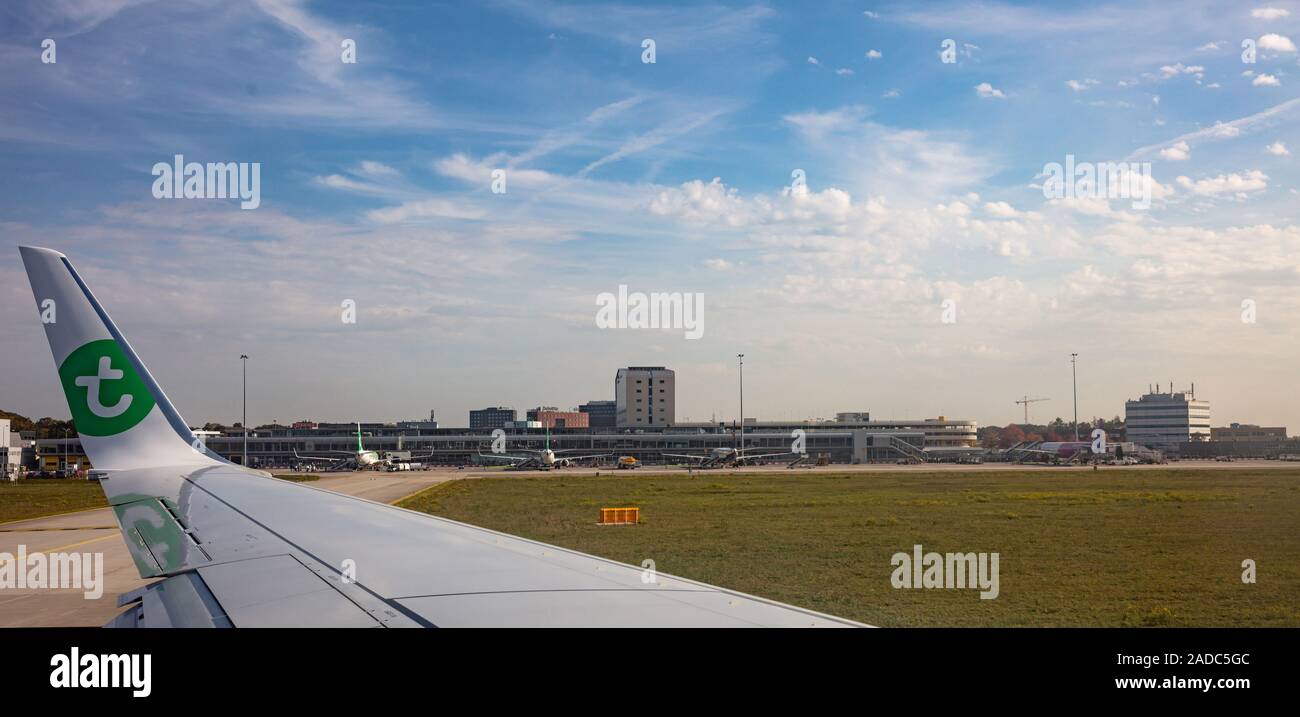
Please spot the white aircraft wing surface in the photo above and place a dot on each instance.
(234, 547)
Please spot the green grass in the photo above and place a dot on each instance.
(297, 477)
(1077, 548)
(48, 496)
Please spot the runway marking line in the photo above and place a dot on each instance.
(46, 530)
(61, 548)
(55, 515)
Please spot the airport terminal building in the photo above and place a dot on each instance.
(838, 441)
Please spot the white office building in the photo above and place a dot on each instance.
(645, 396)
(1164, 420)
(11, 449)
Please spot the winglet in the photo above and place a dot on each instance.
(122, 416)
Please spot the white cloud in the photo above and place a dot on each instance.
(1176, 152)
(870, 14)
(1080, 86)
(697, 201)
(1269, 13)
(1181, 69)
(377, 169)
(844, 72)
(816, 124)
(424, 209)
(1277, 43)
(338, 181)
(874, 54)
(890, 93)
(868, 158)
(1236, 183)
(1208, 47)
(1278, 149)
(477, 172)
(1265, 80)
(1002, 210)
(987, 91)
(1224, 130)
(1095, 207)
(813, 61)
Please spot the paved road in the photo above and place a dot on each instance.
(96, 531)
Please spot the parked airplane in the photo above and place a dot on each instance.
(361, 458)
(233, 546)
(543, 460)
(1059, 450)
(729, 457)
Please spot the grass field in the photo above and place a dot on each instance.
(297, 477)
(39, 497)
(1077, 548)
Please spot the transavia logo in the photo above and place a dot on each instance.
(77, 670)
(105, 394)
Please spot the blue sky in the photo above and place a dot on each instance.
(923, 185)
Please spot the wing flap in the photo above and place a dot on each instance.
(631, 607)
(279, 591)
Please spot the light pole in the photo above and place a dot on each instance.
(65, 451)
(741, 358)
(1074, 379)
(244, 421)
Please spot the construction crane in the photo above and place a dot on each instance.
(1026, 401)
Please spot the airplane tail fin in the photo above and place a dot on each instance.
(122, 416)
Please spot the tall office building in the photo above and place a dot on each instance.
(492, 417)
(645, 396)
(1163, 420)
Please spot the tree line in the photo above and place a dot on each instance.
(1058, 430)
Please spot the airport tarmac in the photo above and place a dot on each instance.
(96, 531)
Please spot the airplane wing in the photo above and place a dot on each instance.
(755, 456)
(584, 458)
(232, 546)
(319, 458)
(515, 460)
